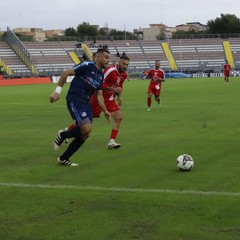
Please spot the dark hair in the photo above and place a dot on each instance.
(102, 50)
(125, 57)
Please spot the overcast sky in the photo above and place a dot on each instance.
(119, 14)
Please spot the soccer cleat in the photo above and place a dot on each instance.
(66, 163)
(58, 140)
(149, 109)
(113, 144)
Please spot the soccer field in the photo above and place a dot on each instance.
(135, 192)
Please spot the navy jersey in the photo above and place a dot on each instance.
(87, 79)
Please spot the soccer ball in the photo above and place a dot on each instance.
(185, 162)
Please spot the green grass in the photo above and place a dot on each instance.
(134, 192)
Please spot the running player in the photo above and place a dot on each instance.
(114, 77)
(88, 79)
(157, 76)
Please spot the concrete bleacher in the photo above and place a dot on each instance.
(142, 55)
(11, 59)
(205, 54)
(130, 47)
(235, 48)
(153, 51)
(51, 56)
(133, 49)
(198, 54)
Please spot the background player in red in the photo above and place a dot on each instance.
(157, 76)
(114, 76)
(226, 71)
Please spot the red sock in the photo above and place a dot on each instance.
(72, 126)
(114, 134)
(149, 102)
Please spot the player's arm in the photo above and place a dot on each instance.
(56, 94)
(162, 78)
(146, 75)
(101, 104)
(111, 88)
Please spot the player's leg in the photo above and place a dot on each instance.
(157, 99)
(116, 114)
(157, 95)
(96, 112)
(81, 113)
(76, 143)
(117, 117)
(228, 74)
(149, 99)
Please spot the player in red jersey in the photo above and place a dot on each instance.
(114, 77)
(157, 76)
(226, 71)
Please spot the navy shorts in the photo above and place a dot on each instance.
(80, 112)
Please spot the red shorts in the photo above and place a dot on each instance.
(111, 106)
(154, 89)
(226, 73)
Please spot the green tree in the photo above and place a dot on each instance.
(121, 35)
(227, 23)
(70, 32)
(85, 29)
(187, 34)
(161, 36)
(102, 32)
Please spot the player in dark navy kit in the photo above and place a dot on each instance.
(88, 79)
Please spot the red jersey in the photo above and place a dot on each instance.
(112, 78)
(155, 75)
(155, 84)
(227, 67)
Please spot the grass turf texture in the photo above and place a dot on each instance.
(104, 198)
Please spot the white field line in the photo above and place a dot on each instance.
(119, 189)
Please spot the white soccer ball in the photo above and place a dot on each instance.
(185, 162)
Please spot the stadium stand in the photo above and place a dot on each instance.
(11, 59)
(153, 51)
(188, 55)
(198, 54)
(235, 48)
(50, 57)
